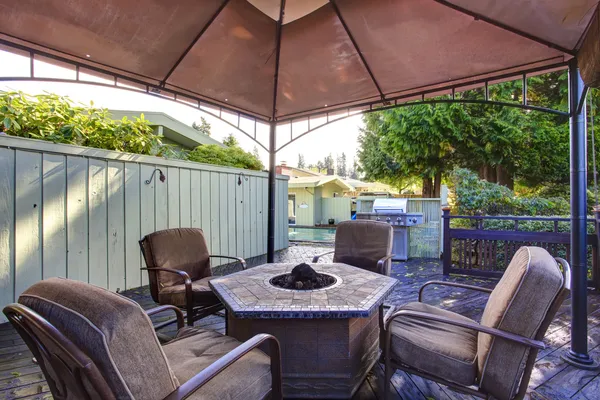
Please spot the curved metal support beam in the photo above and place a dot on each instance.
(147, 92)
(116, 76)
(435, 101)
(440, 87)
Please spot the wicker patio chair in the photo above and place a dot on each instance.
(364, 244)
(94, 344)
(178, 265)
(491, 359)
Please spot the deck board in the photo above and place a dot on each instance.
(551, 378)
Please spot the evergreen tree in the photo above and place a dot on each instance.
(353, 172)
(230, 141)
(328, 165)
(301, 163)
(203, 127)
(255, 152)
(342, 169)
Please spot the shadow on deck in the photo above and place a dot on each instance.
(551, 378)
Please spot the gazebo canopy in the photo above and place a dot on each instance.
(328, 55)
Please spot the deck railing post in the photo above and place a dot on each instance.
(447, 247)
(596, 250)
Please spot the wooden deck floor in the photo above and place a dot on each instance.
(552, 378)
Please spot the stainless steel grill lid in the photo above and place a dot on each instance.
(390, 206)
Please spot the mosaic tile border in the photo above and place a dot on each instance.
(248, 294)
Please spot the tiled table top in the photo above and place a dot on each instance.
(357, 293)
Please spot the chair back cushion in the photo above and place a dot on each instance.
(519, 304)
(362, 243)
(184, 249)
(113, 331)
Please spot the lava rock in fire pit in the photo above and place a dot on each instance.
(303, 277)
(303, 272)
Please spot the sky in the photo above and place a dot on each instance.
(336, 138)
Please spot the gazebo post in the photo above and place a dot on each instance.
(272, 141)
(578, 354)
(272, 191)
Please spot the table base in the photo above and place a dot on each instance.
(321, 358)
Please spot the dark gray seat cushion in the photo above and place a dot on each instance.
(175, 295)
(433, 347)
(194, 349)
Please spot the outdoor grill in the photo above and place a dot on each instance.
(393, 211)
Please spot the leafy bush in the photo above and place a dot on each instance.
(57, 119)
(474, 196)
(233, 156)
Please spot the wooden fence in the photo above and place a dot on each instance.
(79, 212)
(425, 239)
(483, 252)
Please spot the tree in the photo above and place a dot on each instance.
(342, 169)
(502, 144)
(377, 165)
(204, 126)
(328, 165)
(230, 141)
(255, 152)
(353, 172)
(320, 165)
(301, 163)
(412, 141)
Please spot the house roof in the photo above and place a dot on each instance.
(316, 181)
(173, 129)
(306, 171)
(358, 184)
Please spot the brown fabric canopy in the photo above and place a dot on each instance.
(332, 54)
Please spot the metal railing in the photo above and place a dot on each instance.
(472, 249)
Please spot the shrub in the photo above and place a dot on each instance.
(57, 119)
(233, 156)
(474, 196)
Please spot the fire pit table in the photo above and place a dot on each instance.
(329, 337)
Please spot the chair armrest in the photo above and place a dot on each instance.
(453, 284)
(389, 313)
(316, 258)
(513, 337)
(239, 259)
(204, 376)
(159, 309)
(183, 274)
(187, 281)
(381, 264)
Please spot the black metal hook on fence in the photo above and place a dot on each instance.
(161, 176)
(240, 175)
